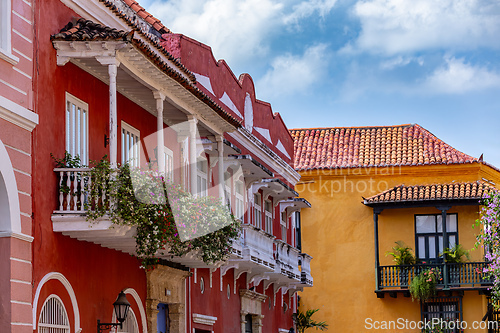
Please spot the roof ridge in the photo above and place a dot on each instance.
(360, 127)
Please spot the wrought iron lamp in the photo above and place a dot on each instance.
(121, 306)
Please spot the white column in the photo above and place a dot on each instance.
(192, 152)
(159, 130)
(112, 64)
(220, 150)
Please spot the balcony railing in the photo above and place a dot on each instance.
(258, 246)
(305, 269)
(467, 274)
(287, 260)
(72, 188)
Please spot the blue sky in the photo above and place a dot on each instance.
(323, 63)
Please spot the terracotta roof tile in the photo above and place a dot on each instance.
(156, 23)
(353, 147)
(86, 30)
(449, 191)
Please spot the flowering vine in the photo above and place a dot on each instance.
(145, 200)
(489, 239)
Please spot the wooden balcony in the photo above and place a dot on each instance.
(454, 276)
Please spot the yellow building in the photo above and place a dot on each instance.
(370, 187)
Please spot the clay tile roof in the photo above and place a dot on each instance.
(451, 191)
(354, 147)
(86, 30)
(156, 23)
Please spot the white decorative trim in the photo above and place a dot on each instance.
(137, 298)
(17, 114)
(282, 149)
(9, 57)
(227, 100)
(205, 82)
(16, 235)
(204, 319)
(264, 132)
(12, 195)
(282, 330)
(248, 113)
(262, 152)
(61, 278)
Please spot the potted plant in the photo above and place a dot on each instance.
(402, 255)
(423, 286)
(455, 255)
(303, 321)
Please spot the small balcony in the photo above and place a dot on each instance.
(287, 263)
(258, 248)
(70, 219)
(305, 270)
(454, 276)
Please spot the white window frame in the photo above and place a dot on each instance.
(227, 189)
(202, 176)
(284, 227)
(131, 154)
(77, 130)
(48, 327)
(257, 210)
(268, 216)
(6, 32)
(239, 199)
(168, 160)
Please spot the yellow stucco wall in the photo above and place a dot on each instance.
(338, 232)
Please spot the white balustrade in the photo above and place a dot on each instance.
(73, 189)
(287, 260)
(258, 246)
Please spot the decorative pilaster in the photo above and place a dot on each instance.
(159, 97)
(192, 152)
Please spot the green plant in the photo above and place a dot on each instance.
(304, 321)
(402, 254)
(455, 254)
(423, 286)
(145, 200)
(68, 161)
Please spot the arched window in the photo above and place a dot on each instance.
(53, 317)
(129, 325)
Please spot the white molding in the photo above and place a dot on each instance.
(62, 304)
(9, 57)
(204, 319)
(17, 114)
(11, 193)
(137, 298)
(61, 278)
(16, 235)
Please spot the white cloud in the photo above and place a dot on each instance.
(235, 30)
(291, 74)
(400, 61)
(458, 77)
(307, 8)
(401, 26)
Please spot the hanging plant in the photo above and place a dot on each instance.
(423, 286)
(143, 199)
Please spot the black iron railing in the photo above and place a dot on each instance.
(465, 274)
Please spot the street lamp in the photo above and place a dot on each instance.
(121, 306)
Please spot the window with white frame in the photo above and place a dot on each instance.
(202, 176)
(129, 325)
(131, 143)
(257, 210)
(227, 189)
(168, 160)
(77, 128)
(239, 192)
(53, 316)
(268, 208)
(284, 228)
(5, 32)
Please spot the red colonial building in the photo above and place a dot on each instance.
(113, 81)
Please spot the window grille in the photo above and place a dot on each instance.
(257, 210)
(129, 324)
(77, 121)
(448, 309)
(131, 138)
(53, 317)
(268, 207)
